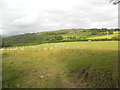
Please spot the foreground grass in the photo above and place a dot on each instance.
(60, 65)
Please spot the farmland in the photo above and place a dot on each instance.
(65, 35)
(88, 64)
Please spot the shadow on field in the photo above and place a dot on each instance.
(92, 69)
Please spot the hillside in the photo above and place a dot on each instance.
(66, 35)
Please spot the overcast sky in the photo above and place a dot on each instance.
(27, 16)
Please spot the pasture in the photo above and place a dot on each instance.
(89, 36)
(115, 34)
(90, 64)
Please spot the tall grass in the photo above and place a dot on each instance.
(60, 65)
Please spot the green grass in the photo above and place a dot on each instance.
(88, 35)
(61, 65)
(115, 34)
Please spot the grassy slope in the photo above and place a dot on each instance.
(75, 64)
(89, 36)
(45, 37)
(79, 34)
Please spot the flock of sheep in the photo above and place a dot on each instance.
(48, 48)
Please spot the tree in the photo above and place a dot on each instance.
(59, 37)
(110, 31)
(94, 31)
(114, 1)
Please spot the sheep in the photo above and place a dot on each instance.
(2, 49)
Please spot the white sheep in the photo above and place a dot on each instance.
(2, 49)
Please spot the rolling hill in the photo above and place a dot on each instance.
(66, 35)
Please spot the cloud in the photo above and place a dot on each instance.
(25, 16)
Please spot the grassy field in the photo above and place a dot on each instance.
(61, 65)
(115, 34)
(89, 36)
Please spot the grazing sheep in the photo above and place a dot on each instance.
(14, 48)
(7, 49)
(11, 49)
(2, 49)
(45, 48)
(22, 48)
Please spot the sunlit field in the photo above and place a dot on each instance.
(90, 64)
(115, 34)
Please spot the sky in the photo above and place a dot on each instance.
(31, 16)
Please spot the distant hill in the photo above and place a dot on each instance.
(58, 36)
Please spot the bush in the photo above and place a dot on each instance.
(110, 31)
